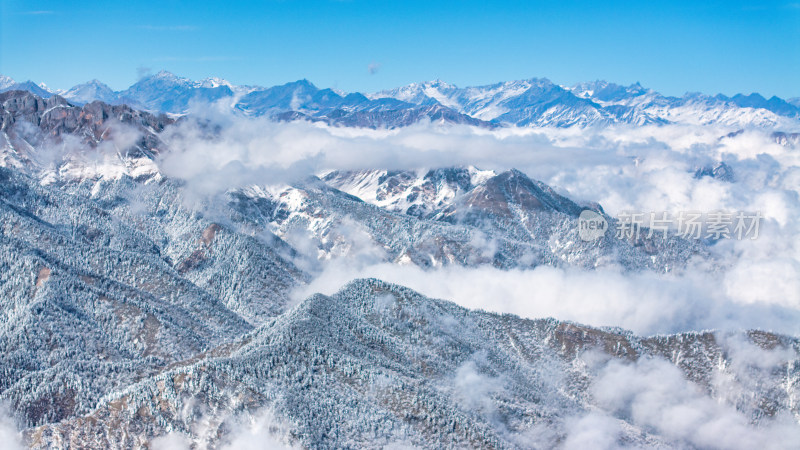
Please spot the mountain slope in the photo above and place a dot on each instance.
(133, 308)
(378, 364)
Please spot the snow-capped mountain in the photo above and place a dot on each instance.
(692, 108)
(301, 99)
(526, 102)
(133, 310)
(8, 84)
(539, 102)
(535, 102)
(92, 91)
(169, 93)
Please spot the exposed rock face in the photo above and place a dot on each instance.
(55, 118)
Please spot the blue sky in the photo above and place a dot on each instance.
(673, 47)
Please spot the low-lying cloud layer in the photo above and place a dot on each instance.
(10, 438)
(643, 302)
(654, 395)
(757, 284)
(623, 168)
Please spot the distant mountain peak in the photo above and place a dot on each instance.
(214, 82)
(164, 74)
(6, 81)
(439, 84)
(95, 82)
(532, 102)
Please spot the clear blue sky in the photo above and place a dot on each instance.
(671, 46)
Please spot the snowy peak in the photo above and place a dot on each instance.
(214, 82)
(91, 91)
(166, 92)
(422, 93)
(6, 82)
(534, 102)
(755, 100)
(452, 194)
(423, 194)
(39, 89)
(168, 77)
(499, 196)
(604, 91)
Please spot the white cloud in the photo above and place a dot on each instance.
(171, 441)
(262, 430)
(10, 438)
(644, 302)
(654, 394)
(623, 168)
(474, 389)
(593, 430)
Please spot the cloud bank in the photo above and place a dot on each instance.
(623, 168)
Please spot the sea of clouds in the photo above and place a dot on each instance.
(755, 284)
(624, 168)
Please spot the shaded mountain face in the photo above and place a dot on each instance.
(8, 84)
(378, 364)
(535, 102)
(130, 310)
(169, 93)
(303, 100)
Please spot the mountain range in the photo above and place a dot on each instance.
(132, 311)
(536, 102)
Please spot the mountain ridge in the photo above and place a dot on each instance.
(132, 314)
(534, 102)
(425, 372)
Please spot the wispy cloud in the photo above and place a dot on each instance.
(208, 58)
(37, 13)
(373, 68)
(169, 27)
(142, 71)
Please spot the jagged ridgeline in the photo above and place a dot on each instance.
(535, 102)
(129, 312)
